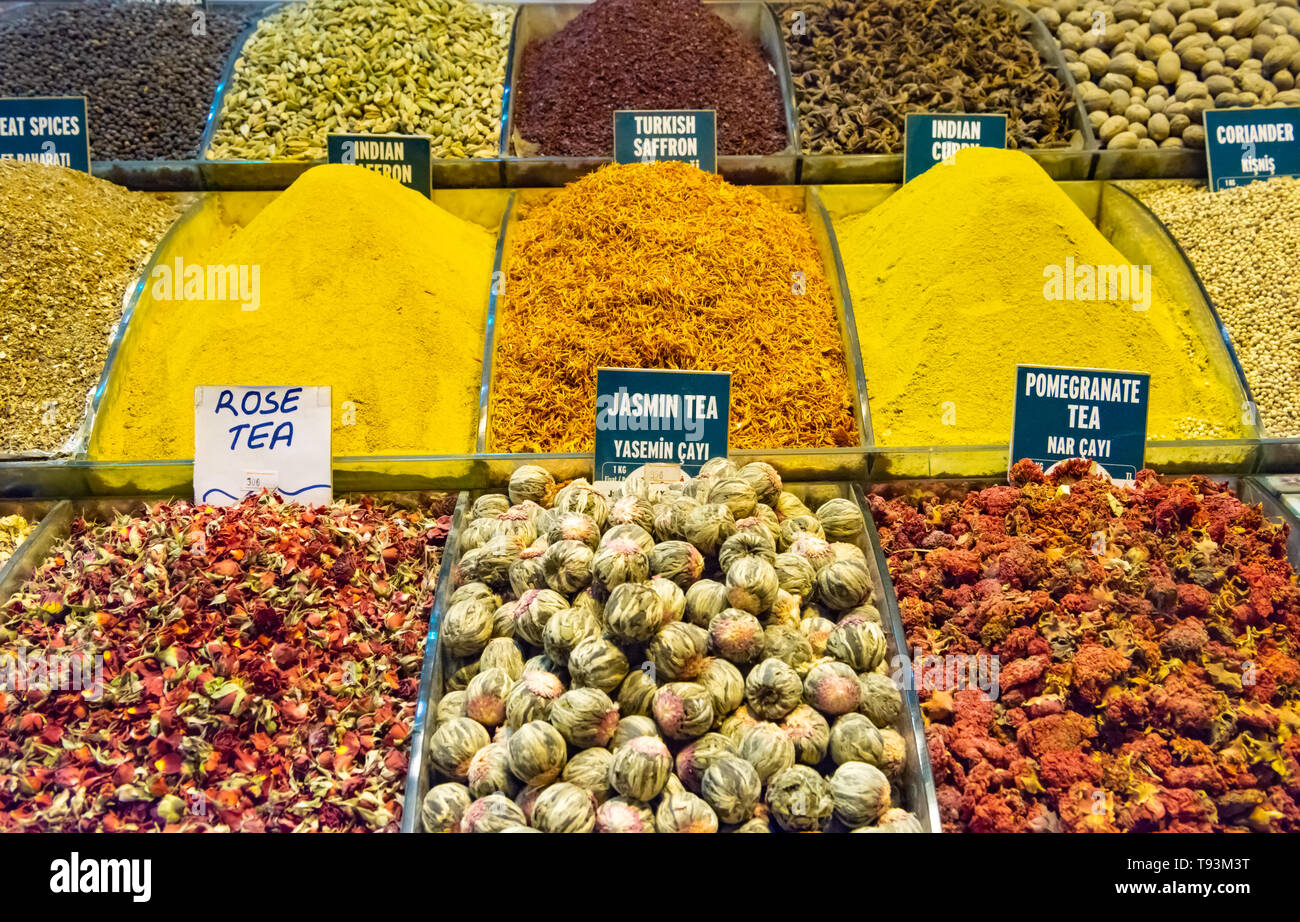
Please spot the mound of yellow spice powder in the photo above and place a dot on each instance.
(664, 266)
(365, 286)
(947, 280)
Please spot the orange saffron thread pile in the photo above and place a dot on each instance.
(664, 266)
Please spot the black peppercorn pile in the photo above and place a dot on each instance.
(860, 66)
(646, 54)
(149, 72)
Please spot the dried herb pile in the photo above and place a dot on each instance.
(73, 245)
(644, 54)
(859, 66)
(14, 530)
(149, 71)
(710, 661)
(260, 669)
(664, 266)
(1147, 645)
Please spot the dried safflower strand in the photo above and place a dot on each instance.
(444, 807)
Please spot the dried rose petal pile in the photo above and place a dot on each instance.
(1146, 640)
(256, 668)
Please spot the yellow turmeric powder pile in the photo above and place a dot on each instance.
(951, 279)
(664, 266)
(361, 284)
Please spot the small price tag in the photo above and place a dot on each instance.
(688, 135)
(931, 138)
(406, 158)
(46, 129)
(1090, 413)
(1246, 145)
(250, 439)
(657, 417)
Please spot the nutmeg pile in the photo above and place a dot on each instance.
(707, 660)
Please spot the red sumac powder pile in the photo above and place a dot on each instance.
(645, 54)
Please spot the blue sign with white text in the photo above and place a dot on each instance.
(646, 416)
(1246, 145)
(45, 129)
(1090, 413)
(930, 138)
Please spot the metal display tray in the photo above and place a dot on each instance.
(1060, 163)
(917, 785)
(1144, 241)
(804, 464)
(752, 20)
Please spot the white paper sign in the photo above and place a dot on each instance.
(249, 439)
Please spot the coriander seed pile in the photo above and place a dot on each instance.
(73, 245)
(1245, 245)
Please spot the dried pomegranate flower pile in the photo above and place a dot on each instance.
(258, 669)
(1146, 640)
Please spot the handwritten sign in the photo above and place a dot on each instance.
(688, 135)
(406, 158)
(46, 129)
(249, 439)
(930, 138)
(1065, 413)
(648, 416)
(1246, 145)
